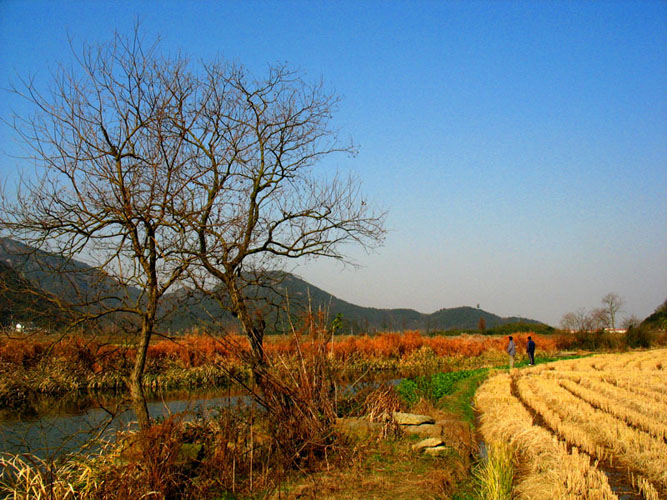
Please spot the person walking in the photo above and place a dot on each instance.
(530, 349)
(511, 350)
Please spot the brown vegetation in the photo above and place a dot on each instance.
(34, 365)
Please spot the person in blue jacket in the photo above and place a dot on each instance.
(530, 349)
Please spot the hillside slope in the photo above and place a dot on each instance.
(657, 320)
(21, 302)
(77, 283)
(72, 281)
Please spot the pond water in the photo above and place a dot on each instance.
(69, 424)
(64, 428)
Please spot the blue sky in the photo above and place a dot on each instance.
(520, 148)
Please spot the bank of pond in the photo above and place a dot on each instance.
(51, 426)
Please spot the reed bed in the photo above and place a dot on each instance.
(198, 349)
(33, 366)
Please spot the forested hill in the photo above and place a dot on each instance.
(21, 302)
(366, 319)
(303, 296)
(22, 266)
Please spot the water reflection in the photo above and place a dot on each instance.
(56, 426)
(67, 425)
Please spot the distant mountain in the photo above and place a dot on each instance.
(356, 319)
(182, 309)
(59, 289)
(72, 281)
(365, 319)
(21, 302)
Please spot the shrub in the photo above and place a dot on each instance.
(300, 398)
(598, 340)
(639, 337)
(408, 390)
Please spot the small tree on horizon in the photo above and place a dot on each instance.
(613, 305)
(595, 320)
(577, 321)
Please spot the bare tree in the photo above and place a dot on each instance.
(110, 171)
(258, 201)
(631, 322)
(599, 319)
(577, 321)
(613, 305)
(146, 167)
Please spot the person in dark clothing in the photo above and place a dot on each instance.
(530, 349)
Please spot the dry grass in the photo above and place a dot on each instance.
(29, 478)
(35, 366)
(614, 434)
(241, 452)
(609, 406)
(379, 469)
(619, 409)
(200, 349)
(383, 464)
(545, 464)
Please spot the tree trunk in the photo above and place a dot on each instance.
(136, 379)
(254, 330)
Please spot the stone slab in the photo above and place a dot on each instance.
(412, 419)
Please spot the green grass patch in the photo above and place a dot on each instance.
(539, 360)
(433, 387)
(467, 490)
(460, 401)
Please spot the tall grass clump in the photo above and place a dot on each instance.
(299, 396)
(496, 474)
(31, 478)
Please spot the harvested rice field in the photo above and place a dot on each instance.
(590, 428)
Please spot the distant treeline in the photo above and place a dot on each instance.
(506, 329)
